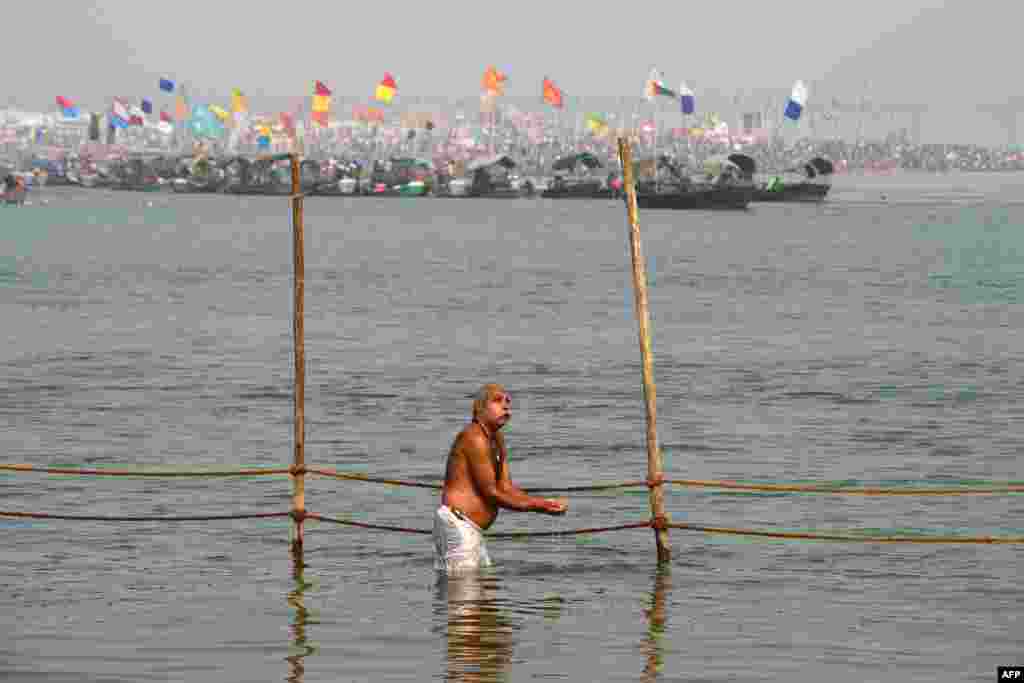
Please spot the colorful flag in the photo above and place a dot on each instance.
(67, 107)
(119, 114)
(262, 136)
(321, 104)
(166, 85)
(136, 116)
(387, 88)
(493, 82)
(687, 101)
(552, 94)
(181, 108)
(655, 86)
(597, 124)
(797, 101)
(239, 103)
(221, 113)
(147, 107)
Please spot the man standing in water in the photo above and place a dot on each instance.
(477, 483)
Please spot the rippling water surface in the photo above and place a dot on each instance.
(873, 339)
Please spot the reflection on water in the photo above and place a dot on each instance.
(300, 647)
(479, 633)
(657, 617)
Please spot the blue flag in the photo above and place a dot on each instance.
(166, 85)
(147, 106)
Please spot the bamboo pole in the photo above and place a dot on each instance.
(654, 470)
(298, 476)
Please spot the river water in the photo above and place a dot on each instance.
(872, 339)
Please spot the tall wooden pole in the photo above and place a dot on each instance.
(654, 471)
(298, 475)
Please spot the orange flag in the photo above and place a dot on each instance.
(552, 93)
(494, 81)
(321, 104)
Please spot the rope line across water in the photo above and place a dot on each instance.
(820, 488)
(255, 472)
(142, 518)
(650, 523)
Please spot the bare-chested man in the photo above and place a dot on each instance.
(477, 483)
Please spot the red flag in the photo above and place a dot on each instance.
(166, 117)
(552, 94)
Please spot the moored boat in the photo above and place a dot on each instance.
(399, 177)
(574, 178)
(727, 183)
(809, 182)
(492, 178)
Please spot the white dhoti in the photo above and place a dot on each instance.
(458, 542)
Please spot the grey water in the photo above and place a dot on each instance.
(872, 339)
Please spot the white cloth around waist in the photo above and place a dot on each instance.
(458, 542)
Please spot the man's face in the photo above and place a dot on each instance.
(499, 409)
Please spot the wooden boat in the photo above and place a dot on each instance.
(727, 183)
(135, 174)
(198, 175)
(492, 178)
(263, 176)
(399, 177)
(809, 182)
(573, 179)
(694, 197)
(338, 178)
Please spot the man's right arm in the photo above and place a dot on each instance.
(481, 469)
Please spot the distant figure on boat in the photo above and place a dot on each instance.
(477, 483)
(14, 190)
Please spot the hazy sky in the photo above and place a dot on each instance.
(904, 50)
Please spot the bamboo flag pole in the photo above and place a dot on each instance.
(654, 470)
(298, 476)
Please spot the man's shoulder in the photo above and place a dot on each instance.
(471, 438)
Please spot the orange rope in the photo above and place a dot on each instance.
(850, 490)
(1004, 540)
(506, 534)
(833, 489)
(147, 473)
(801, 535)
(95, 518)
(376, 480)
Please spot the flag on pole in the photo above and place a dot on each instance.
(655, 86)
(321, 104)
(165, 117)
(494, 82)
(136, 117)
(387, 88)
(221, 113)
(239, 103)
(797, 101)
(181, 108)
(552, 94)
(119, 114)
(67, 107)
(166, 85)
(147, 106)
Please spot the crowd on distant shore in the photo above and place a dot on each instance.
(534, 146)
